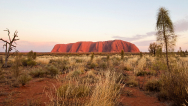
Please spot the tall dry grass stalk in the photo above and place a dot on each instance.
(106, 92)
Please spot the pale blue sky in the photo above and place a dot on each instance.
(47, 22)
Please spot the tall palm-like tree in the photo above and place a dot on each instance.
(165, 32)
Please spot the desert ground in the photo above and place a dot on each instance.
(93, 80)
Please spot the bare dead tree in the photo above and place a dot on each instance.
(9, 45)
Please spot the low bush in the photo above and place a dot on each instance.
(153, 85)
(52, 70)
(103, 65)
(74, 74)
(40, 72)
(24, 78)
(92, 65)
(174, 84)
(28, 62)
(79, 60)
(32, 55)
(90, 78)
(31, 63)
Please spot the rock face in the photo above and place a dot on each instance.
(105, 46)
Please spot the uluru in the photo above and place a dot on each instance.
(102, 46)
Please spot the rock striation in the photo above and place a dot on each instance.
(105, 46)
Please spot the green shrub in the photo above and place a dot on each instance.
(31, 63)
(32, 55)
(38, 72)
(24, 78)
(153, 85)
(28, 62)
(52, 70)
(24, 62)
(61, 64)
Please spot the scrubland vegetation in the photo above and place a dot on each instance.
(96, 80)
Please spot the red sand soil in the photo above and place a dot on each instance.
(106, 46)
(36, 90)
(138, 98)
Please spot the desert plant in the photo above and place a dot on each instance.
(71, 91)
(10, 43)
(132, 81)
(34, 55)
(31, 62)
(79, 60)
(52, 70)
(107, 92)
(92, 65)
(174, 85)
(152, 48)
(92, 56)
(1, 60)
(103, 65)
(74, 74)
(39, 72)
(165, 32)
(141, 54)
(122, 54)
(17, 63)
(153, 85)
(24, 78)
(90, 78)
(28, 62)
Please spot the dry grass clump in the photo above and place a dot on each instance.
(153, 85)
(132, 81)
(52, 70)
(38, 72)
(158, 64)
(141, 65)
(90, 78)
(174, 83)
(24, 78)
(74, 74)
(106, 92)
(71, 90)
